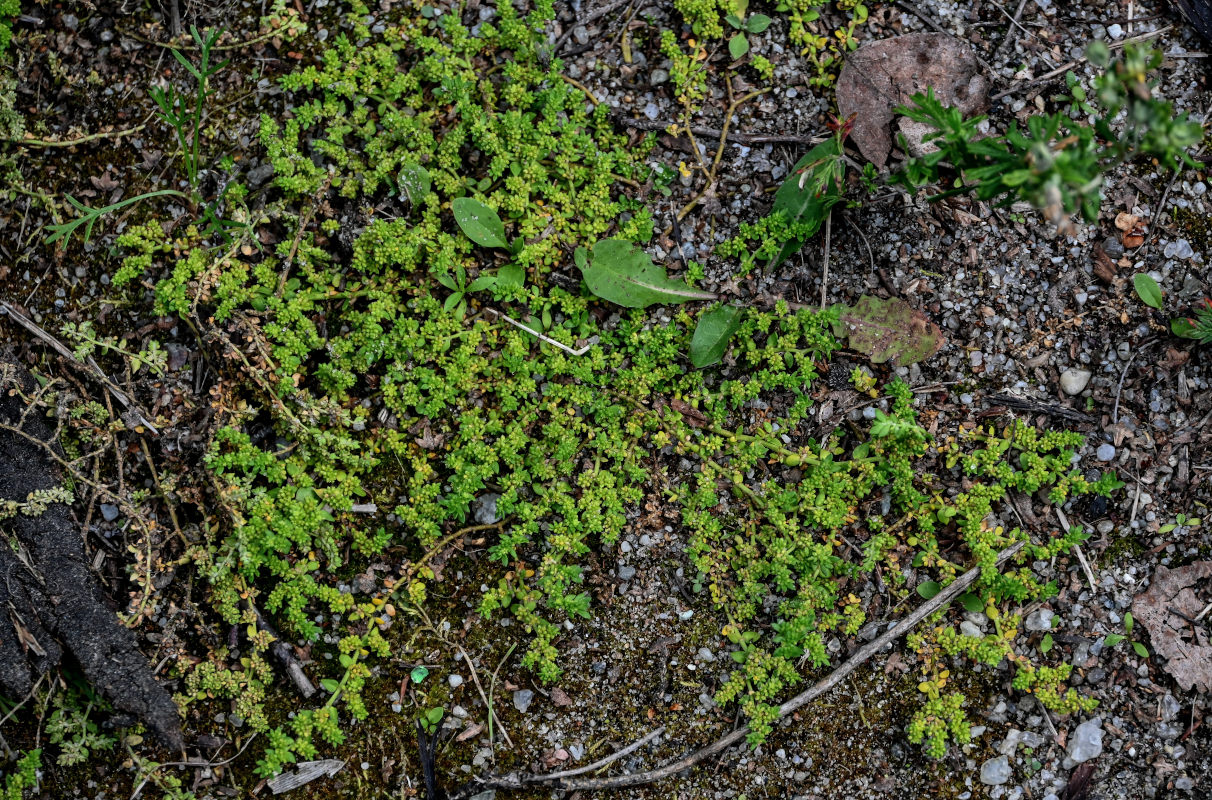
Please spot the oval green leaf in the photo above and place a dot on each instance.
(738, 46)
(972, 603)
(929, 589)
(414, 182)
(479, 222)
(712, 334)
(1147, 290)
(758, 23)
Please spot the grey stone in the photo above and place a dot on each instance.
(658, 76)
(1105, 452)
(1039, 620)
(971, 629)
(522, 699)
(455, 681)
(110, 512)
(484, 509)
(1087, 741)
(995, 771)
(626, 572)
(1074, 381)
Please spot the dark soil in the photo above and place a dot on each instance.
(48, 588)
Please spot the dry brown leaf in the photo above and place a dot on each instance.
(1186, 647)
(560, 697)
(882, 75)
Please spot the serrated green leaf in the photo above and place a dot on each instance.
(1147, 290)
(624, 274)
(479, 222)
(929, 589)
(712, 334)
(738, 46)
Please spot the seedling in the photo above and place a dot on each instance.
(738, 45)
(1115, 638)
(177, 110)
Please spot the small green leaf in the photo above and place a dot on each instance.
(1113, 639)
(479, 222)
(758, 23)
(1147, 290)
(346, 660)
(434, 715)
(929, 589)
(1140, 649)
(711, 335)
(624, 274)
(734, 21)
(738, 46)
(1098, 54)
(414, 182)
(419, 674)
(330, 685)
(1046, 644)
(1128, 622)
(972, 602)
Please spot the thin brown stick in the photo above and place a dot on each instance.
(522, 780)
(715, 133)
(62, 350)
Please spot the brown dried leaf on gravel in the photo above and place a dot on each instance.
(888, 330)
(1186, 647)
(882, 75)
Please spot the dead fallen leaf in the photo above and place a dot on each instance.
(1078, 787)
(1126, 222)
(888, 330)
(1186, 647)
(1104, 265)
(560, 697)
(472, 731)
(882, 75)
(106, 182)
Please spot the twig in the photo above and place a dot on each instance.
(92, 137)
(547, 339)
(825, 271)
(1123, 374)
(609, 8)
(1077, 548)
(1014, 24)
(715, 133)
(96, 372)
(1063, 68)
(615, 756)
(522, 780)
(480, 689)
(492, 685)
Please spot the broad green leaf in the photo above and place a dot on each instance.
(972, 602)
(419, 674)
(1113, 639)
(624, 274)
(1128, 622)
(735, 21)
(479, 222)
(738, 46)
(758, 23)
(434, 715)
(1140, 649)
(330, 685)
(812, 188)
(481, 283)
(1147, 290)
(888, 330)
(414, 182)
(711, 335)
(511, 275)
(1046, 644)
(929, 589)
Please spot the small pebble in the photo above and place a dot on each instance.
(1105, 452)
(455, 681)
(995, 771)
(1074, 381)
(522, 699)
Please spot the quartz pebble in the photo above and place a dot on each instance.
(1074, 381)
(995, 771)
(1087, 741)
